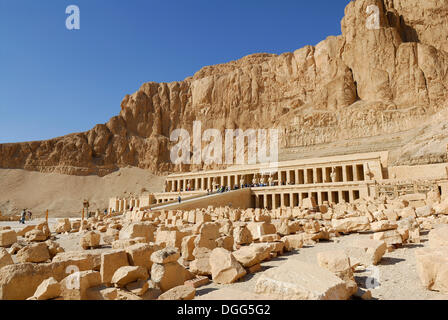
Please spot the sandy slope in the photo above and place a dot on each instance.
(63, 194)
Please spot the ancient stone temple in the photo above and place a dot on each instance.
(286, 184)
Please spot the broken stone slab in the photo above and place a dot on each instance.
(48, 289)
(5, 258)
(111, 261)
(252, 255)
(297, 280)
(7, 238)
(37, 252)
(224, 267)
(438, 237)
(169, 275)
(165, 255)
(366, 251)
(432, 268)
(127, 274)
(183, 292)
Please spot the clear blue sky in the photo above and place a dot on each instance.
(54, 81)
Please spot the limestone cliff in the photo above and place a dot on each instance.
(364, 83)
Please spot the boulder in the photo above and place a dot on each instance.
(111, 261)
(75, 286)
(224, 267)
(348, 225)
(165, 255)
(258, 229)
(225, 242)
(338, 262)
(367, 251)
(252, 255)
(242, 235)
(48, 289)
(297, 280)
(432, 268)
(424, 211)
(53, 248)
(139, 287)
(37, 252)
(63, 225)
(391, 237)
(139, 254)
(201, 264)
(167, 238)
(138, 230)
(128, 274)
(7, 238)
(5, 258)
(169, 275)
(183, 292)
(292, 242)
(187, 247)
(19, 281)
(90, 240)
(36, 235)
(438, 237)
(80, 259)
(383, 225)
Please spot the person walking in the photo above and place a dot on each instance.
(30, 215)
(23, 216)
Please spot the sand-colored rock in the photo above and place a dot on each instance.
(75, 286)
(5, 258)
(432, 268)
(179, 293)
(252, 255)
(169, 275)
(296, 280)
(127, 274)
(7, 238)
(225, 268)
(37, 252)
(111, 261)
(48, 289)
(89, 240)
(438, 237)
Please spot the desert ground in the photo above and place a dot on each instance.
(63, 195)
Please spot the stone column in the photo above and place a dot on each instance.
(257, 201)
(296, 173)
(340, 195)
(282, 200)
(265, 200)
(291, 200)
(355, 172)
(314, 175)
(274, 201)
(300, 198)
(319, 198)
(344, 173)
(351, 196)
(305, 176)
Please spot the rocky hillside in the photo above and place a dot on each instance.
(363, 84)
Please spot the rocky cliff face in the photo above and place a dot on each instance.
(363, 83)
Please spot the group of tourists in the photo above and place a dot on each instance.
(24, 215)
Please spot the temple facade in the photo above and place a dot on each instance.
(286, 184)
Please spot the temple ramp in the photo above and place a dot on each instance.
(235, 199)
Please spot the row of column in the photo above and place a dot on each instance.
(120, 205)
(294, 199)
(343, 173)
